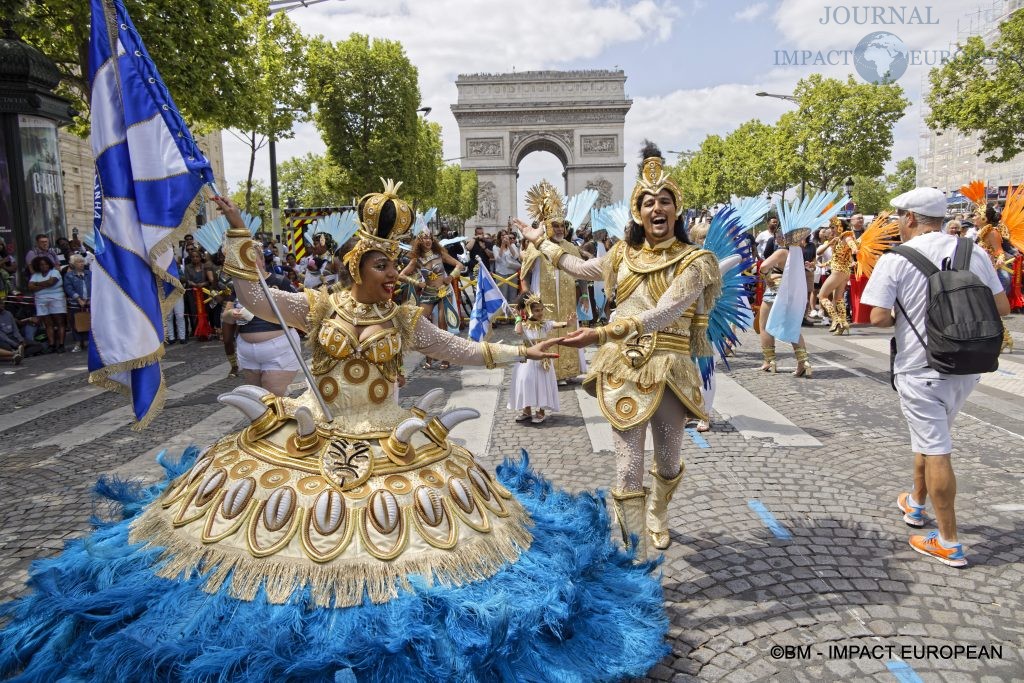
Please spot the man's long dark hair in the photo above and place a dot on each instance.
(635, 231)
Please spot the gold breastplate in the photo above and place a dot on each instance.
(338, 341)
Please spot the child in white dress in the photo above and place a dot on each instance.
(534, 387)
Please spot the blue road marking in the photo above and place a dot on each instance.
(903, 672)
(1007, 372)
(769, 519)
(698, 438)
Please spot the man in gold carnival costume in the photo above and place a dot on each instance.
(539, 274)
(643, 373)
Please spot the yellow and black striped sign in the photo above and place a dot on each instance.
(295, 222)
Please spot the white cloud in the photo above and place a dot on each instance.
(751, 12)
(444, 38)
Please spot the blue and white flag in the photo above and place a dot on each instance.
(489, 301)
(149, 175)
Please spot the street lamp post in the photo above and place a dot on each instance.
(789, 98)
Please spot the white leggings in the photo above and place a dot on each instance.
(668, 424)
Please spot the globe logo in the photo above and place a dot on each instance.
(880, 57)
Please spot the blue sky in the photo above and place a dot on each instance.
(692, 66)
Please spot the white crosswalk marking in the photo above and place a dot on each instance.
(753, 418)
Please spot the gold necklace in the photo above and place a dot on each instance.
(360, 314)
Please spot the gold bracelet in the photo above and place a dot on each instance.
(602, 336)
(522, 353)
(485, 348)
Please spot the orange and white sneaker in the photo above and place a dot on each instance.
(913, 515)
(931, 546)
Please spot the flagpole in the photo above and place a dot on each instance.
(295, 347)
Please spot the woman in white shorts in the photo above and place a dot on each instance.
(265, 356)
(47, 287)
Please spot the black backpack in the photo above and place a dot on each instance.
(965, 333)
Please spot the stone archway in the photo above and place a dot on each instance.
(578, 116)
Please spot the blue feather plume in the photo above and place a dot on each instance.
(726, 238)
(613, 219)
(809, 213)
(751, 210)
(422, 223)
(211, 235)
(577, 208)
(341, 226)
(572, 608)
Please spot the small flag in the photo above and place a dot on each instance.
(487, 304)
(149, 174)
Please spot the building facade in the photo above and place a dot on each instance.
(948, 159)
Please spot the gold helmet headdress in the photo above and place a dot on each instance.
(653, 179)
(374, 237)
(544, 204)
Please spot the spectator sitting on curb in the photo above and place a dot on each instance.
(12, 344)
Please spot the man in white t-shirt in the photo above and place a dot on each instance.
(761, 241)
(930, 400)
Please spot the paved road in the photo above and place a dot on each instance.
(788, 554)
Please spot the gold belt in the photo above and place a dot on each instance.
(639, 350)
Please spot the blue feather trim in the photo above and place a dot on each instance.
(572, 608)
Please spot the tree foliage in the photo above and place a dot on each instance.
(758, 157)
(873, 194)
(979, 91)
(703, 177)
(197, 45)
(260, 193)
(312, 180)
(455, 196)
(427, 164)
(366, 95)
(273, 75)
(843, 128)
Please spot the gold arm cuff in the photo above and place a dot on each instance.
(240, 255)
(502, 354)
(619, 330)
(485, 348)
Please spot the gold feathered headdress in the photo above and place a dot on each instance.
(544, 204)
(653, 179)
(371, 206)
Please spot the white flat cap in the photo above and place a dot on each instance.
(924, 201)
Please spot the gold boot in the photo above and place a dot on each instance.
(803, 363)
(1007, 346)
(657, 510)
(233, 370)
(830, 308)
(769, 358)
(844, 323)
(629, 511)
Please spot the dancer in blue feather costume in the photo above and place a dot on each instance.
(340, 536)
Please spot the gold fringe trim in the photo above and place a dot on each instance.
(333, 584)
(664, 366)
(101, 378)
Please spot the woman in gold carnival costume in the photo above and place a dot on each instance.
(346, 540)
(429, 258)
(772, 269)
(833, 290)
(538, 274)
(643, 373)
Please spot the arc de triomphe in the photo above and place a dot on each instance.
(578, 116)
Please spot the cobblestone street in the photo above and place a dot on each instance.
(789, 559)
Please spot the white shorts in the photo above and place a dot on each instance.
(930, 401)
(270, 355)
(51, 306)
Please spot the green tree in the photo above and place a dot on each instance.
(903, 179)
(197, 45)
(979, 91)
(366, 95)
(260, 193)
(427, 164)
(843, 128)
(454, 196)
(870, 194)
(873, 194)
(273, 78)
(703, 177)
(312, 180)
(758, 158)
